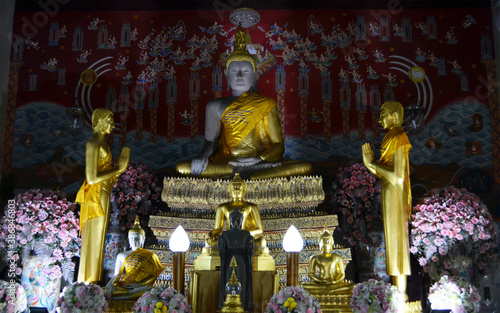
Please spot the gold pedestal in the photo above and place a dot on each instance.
(121, 306)
(334, 303)
(206, 262)
(205, 283)
(232, 305)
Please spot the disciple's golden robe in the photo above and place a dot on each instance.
(396, 205)
(250, 128)
(94, 219)
(141, 266)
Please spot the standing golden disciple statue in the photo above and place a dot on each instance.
(242, 131)
(94, 195)
(393, 169)
(326, 270)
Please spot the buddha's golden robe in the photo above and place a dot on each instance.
(396, 205)
(250, 128)
(94, 219)
(141, 266)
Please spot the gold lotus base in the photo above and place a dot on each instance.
(232, 305)
(331, 303)
(121, 306)
(413, 307)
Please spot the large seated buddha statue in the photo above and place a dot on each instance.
(136, 270)
(326, 270)
(242, 131)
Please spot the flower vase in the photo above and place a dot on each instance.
(42, 282)
(378, 255)
(364, 262)
(116, 242)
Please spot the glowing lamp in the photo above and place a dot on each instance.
(292, 242)
(179, 244)
(179, 241)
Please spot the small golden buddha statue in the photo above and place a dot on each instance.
(393, 169)
(326, 270)
(242, 131)
(136, 270)
(251, 216)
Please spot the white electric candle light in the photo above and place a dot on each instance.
(293, 240)
(179, 242)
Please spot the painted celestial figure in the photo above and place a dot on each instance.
(393, 169)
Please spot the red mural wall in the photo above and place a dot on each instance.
(355, 48)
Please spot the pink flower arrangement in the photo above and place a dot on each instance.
(293, 299)
(376, 296)
(357, 199)
(12, 297)
(452, 229)
(82, 297)
(166, 300)
(44, 221)
(137, 191)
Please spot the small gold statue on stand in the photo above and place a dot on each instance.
(233, 287)
(326, 270)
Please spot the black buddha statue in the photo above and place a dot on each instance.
(237, 243)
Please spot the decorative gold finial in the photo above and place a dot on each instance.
(234, 279)
(326, 233)
(233, 301)
(237, 181)
(240, 52)
(137, 227)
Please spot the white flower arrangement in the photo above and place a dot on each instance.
(82, 298)
(293, 300)
(160, 300)
(376, 296)
(451, 293)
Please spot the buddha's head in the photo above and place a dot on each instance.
(103, 120)
(237, 188)
(240, 66)
(136, 235)
(326, 241)
(236, 219)
(391, 114)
